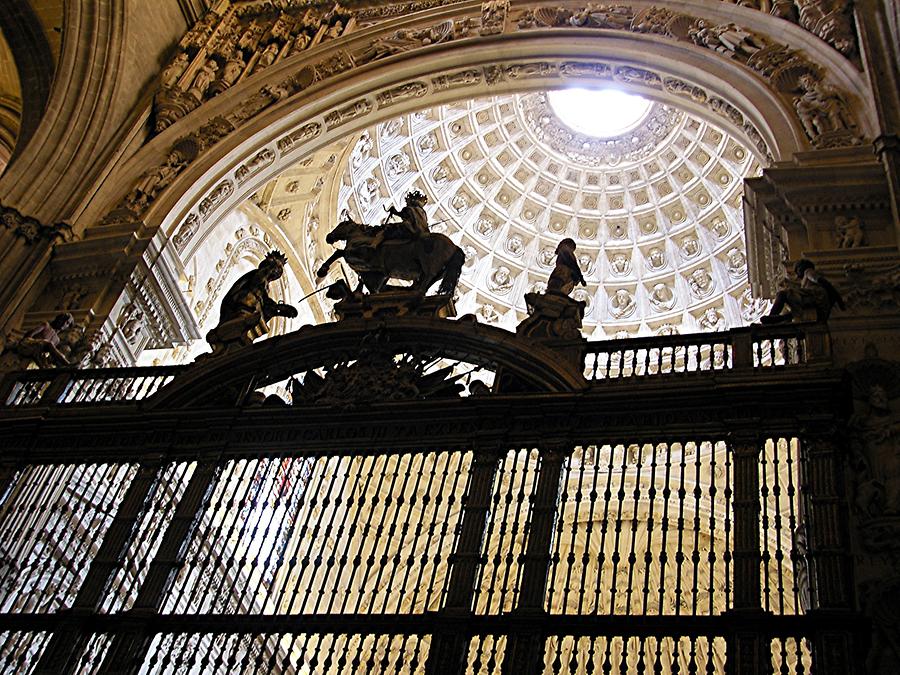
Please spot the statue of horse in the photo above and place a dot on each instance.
(424, 260)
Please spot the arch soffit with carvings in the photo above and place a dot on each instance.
(527, 61)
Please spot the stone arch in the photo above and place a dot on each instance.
(698, 79)
(34, 63)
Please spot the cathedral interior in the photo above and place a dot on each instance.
(450, 337)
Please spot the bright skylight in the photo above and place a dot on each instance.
(603, 113)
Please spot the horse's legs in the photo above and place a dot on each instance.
(451, 272)
(372, 280)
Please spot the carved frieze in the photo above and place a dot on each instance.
(400, 93)
(289, 143)
(348, 113)
(219, 194)
(260, 161)
(221, 51)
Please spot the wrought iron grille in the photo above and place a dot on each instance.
(600, 533)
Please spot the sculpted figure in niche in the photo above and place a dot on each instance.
(440, 176)
(405, 39)
(830, 20)
(397, 165)
(656, 258)
(821, 108)
(250, 38)
(460, 203)
(175, 70)
(701, 282)
(247, 307)
(546, 256)
(690, 247)
(617, 17)
(620, 264)
(204, 77)
(586, 263)
(721, 228)
(621, 304)
(281, 29)
(712, 320)
(728, 39)
(368, 193)
(879, 431)
(301, 42)
(361, 150)
(849, 232)
(154, 181)
(737, 262)
(41, 345)
(231, 71)
(488, 313)
(427, 144)
(197, 36)
(662, 298)
(515, 245)
(485, 226)
(812, 294)
(334, 31)
(267, 58)
(752, 308)
(567, 273)
(500, 281)
(470, 254)
(391, 128)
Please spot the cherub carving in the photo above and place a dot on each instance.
(849, 232)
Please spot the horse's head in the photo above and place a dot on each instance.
(344, 230)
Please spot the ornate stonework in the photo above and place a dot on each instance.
(586, 150)
(212, 52)
(31, 230)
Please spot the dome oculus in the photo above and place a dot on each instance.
(602, 113)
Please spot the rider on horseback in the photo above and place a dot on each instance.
(413, 219)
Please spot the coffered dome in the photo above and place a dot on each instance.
(655, 210)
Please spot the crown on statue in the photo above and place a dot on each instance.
(276, 256)
(416, 195)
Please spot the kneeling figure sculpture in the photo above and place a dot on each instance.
(247, 307)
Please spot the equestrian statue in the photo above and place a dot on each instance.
(404, 249)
